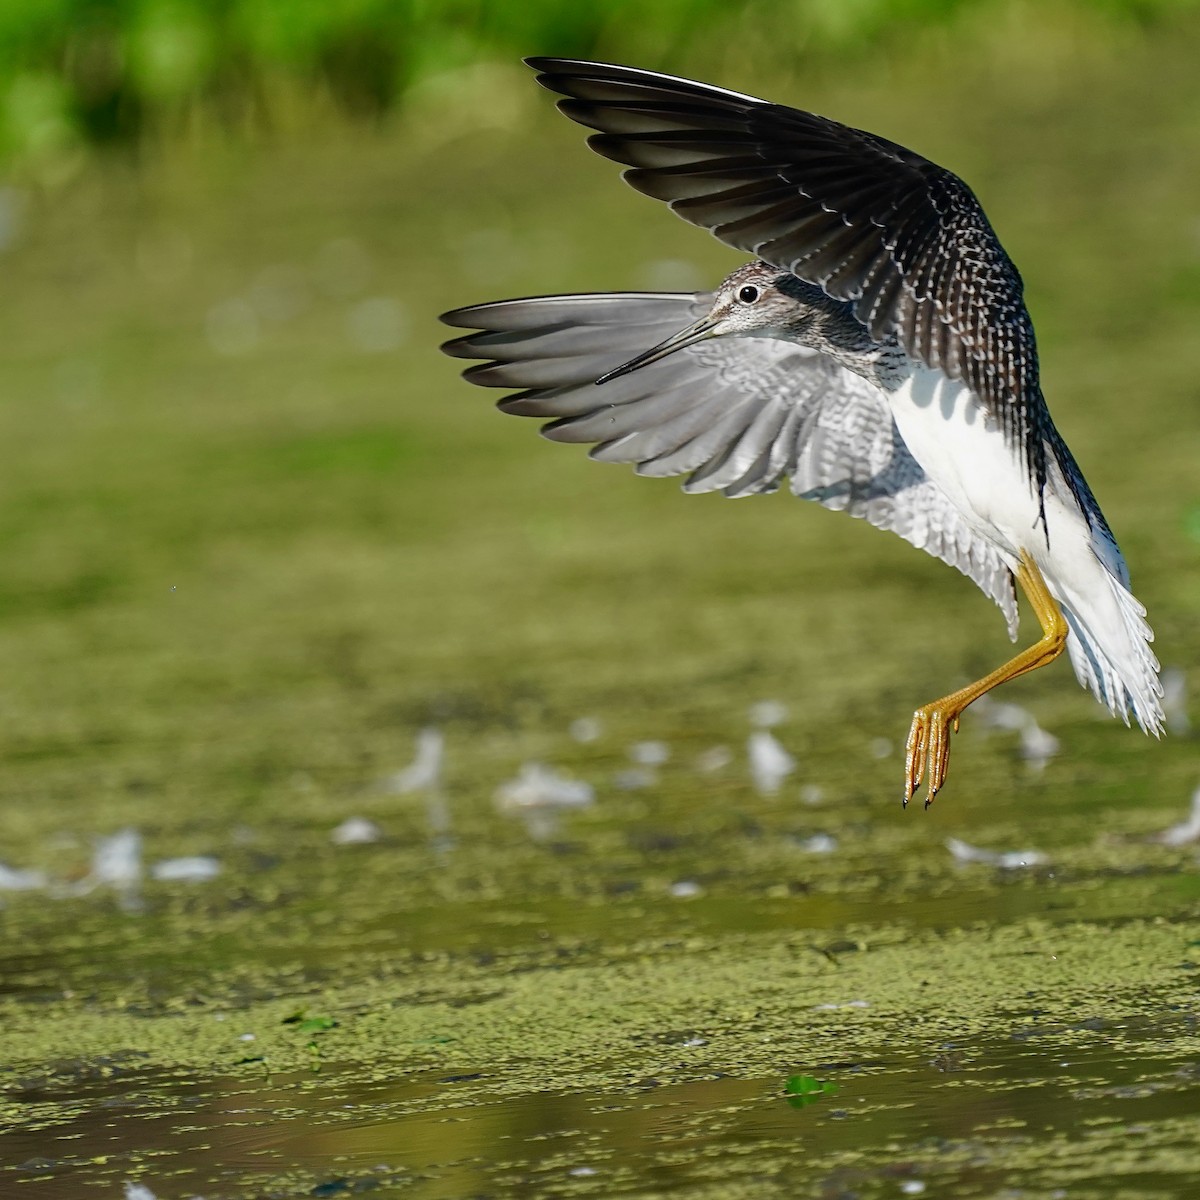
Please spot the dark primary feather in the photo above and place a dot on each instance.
(867, 220)
(737, 414)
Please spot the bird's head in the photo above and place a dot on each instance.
(757, 300)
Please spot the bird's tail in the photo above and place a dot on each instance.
(1109, 645)
(1110, 638)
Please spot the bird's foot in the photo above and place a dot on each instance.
(927, 754)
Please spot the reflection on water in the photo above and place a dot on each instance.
(1027, 1110)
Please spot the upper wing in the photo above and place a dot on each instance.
(863, 218)
(738, 414)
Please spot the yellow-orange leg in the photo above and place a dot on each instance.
(928, 751)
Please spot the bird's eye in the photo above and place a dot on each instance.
(748, 294)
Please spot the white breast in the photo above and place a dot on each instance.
(964, 452)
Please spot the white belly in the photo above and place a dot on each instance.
(964, 452)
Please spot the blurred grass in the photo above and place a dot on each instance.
(84, 73)
(255, 531)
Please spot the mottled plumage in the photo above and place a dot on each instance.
(867, 220)
(878, 357)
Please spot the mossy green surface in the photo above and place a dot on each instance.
(246, 558)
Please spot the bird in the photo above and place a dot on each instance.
(876, 355)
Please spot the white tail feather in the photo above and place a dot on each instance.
(1110, 651)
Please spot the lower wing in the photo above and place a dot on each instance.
(735, 414)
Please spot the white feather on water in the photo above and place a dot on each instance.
(538, 796)
(21, 879)
(819, 843)
(1174, 682)
(646, 756)
(650, 754)
(1186, 831)
(117, 860)
(585, 729)
(1009, 860)
(713, 759)
(356, 831)
(539, 786)
(1037, 745)
(196, 868)
(768, 713)
(116, 863)
(424, 773)
(770, 763)
(1000, 714)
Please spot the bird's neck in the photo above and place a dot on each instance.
(830, 327)
(882, 363)
(837, 333)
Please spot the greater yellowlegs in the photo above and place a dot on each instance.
(878, 356)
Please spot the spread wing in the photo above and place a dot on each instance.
(865, 219)
(736, 414)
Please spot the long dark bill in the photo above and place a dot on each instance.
(698, 332)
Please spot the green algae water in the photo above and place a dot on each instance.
(257, 536)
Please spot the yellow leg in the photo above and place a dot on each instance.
(928, 750)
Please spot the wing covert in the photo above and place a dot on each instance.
(864, 218)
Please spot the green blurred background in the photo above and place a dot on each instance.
(255, 533)
(86, 73)
(82, 71)
(255, 529)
